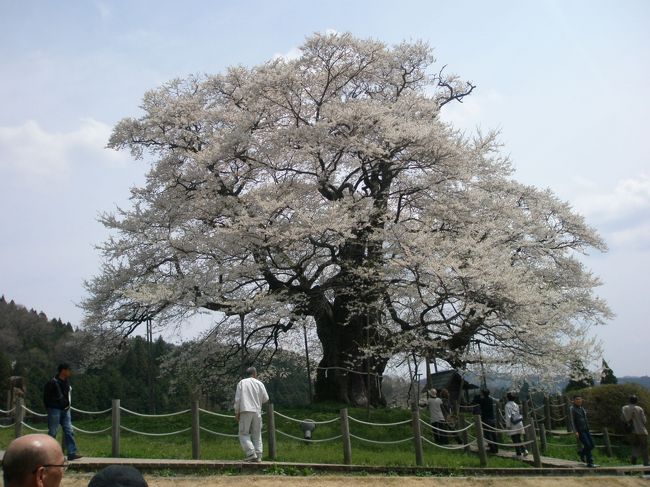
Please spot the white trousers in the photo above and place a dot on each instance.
(250, 433)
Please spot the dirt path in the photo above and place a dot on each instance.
(81, 480)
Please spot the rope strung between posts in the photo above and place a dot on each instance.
(32, 428)
(8, 425)
(154, 434)
(8, 412)
(34, 412)
(445, 430)
(466, 428)
(381, 442)
(496, 430)
(217, 433)
(308, 440)
(91, 432)
(523, 443)
(561, 445)
(154, 415)
(560, 433)
(445, 447)
(379, 424)
(231, 416)
(91, 412)
(303, 420)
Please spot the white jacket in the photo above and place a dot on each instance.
(250, 396)
(510, 409)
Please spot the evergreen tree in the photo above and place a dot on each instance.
(607, 375)
(580, 377)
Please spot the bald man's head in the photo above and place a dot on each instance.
(25, 457)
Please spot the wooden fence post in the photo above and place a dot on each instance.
(417, 435)
(531, 435)
(196, 430)
(547, 413)
(345, 432)
(478, 426)
(115, 428)
(19, 417)
(272, 444)
(542, 438)
(608, 443)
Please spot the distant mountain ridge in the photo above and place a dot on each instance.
(644, 380)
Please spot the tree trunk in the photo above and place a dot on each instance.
(344, 374)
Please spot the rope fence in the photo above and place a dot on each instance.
(470, 435)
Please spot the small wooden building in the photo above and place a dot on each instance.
(452, 381)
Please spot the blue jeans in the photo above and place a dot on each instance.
(56, 417)
(587, 445)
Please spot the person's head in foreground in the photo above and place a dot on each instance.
(33, 461)
(577, 401)
(118, 476)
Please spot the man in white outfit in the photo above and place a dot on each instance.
(250, 396)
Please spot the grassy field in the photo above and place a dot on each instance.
(179, 446)
(564, 446)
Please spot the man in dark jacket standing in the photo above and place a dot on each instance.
(485, 404)
(581, 429)
(57, 396)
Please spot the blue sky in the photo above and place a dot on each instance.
(564, 81)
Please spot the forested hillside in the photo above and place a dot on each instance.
(145, 378)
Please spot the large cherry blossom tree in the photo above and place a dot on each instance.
(327, 192)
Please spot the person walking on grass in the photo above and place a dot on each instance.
(57, 396)
(249, 397)
(634, 416)
(515, 425)
(580, 426)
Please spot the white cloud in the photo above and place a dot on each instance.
(295, 52)
(104, 11)
(473, 111)
(290, 55)
(628, 198)
(621, 212)
(28, 150)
